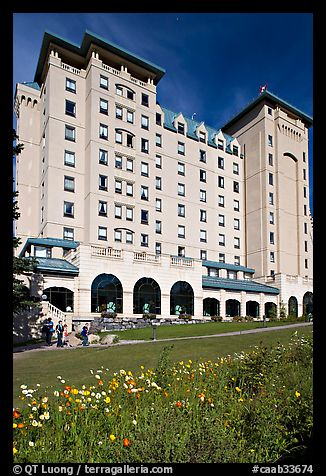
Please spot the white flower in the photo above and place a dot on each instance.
(31, 443)
(134, 422)
(63, 381)
(23, 387)
(98, 377)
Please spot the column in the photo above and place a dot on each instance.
(243, 304)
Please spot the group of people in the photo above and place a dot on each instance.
(61, 331)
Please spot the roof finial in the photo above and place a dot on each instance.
(262, 89)
(192, 117)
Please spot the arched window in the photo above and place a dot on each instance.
(293, 307)
(60, 297)
(270, 310)
(181, 298)
(147, 297)
(106, 294)
(232, 307)
(211, 307)
(307, 303)
(252, 309)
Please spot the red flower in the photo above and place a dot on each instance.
(126, 442)
(17, 414)
(179, 404)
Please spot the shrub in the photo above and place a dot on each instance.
(186, 317)
(216, 318)
(109, 314)
(149, 315)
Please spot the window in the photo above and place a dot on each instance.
(203, 215)
(104, 82)
(118, 211)
(158, 161)
(203, 255)
(130, 116)
(102, 182)
(269, 111)
(144, 192)
(158, 226)
(181, 148)
(144, 99)
(221, 200)
(103, 157)
(118, 186)
(272, 257)
(220, 181)
(104, 106)
(306, 245)
(118, 90)
(130, 94)
(271, 198)
(69, 184)
(70, 108)
(144, 217)
(181, 210)
(129, 140)
(158, 204)
(236, 242)
(237, 260)
(118, 112)
(181, 189)
(232, 274)
(158, 119)
(181, 128)
(70, 133)
(143, 240)
(220, 162)
(69, 158)
(144, 145)
(236, 187)
(129, 189)
(202, 137)
(118, 162)
(158, 183)
(221, 220)
(305, 228)
(181, 231)
(305, 192)
(158, 140)
(202, 195)
(236, 205)
(271, 238)
(221, 239)
(181, 168)
(102, 233)
(102, 208)
(304, 156)
(270, 179)
(181, 251)
(236, 223)
(104, 132)
(144, 122)
(220, 144)
(221, 257)
(306, 263)
(213, 272)
(305, 209)
(270, 159)
(304, 174)
(235, 168)
(203, 236)
(144, 169)
(270, 141)
(70, 85)
(158, 248)
(235, 150)
(202, 156)
(68, 234)
(42, 252)
(129, 213)
(130, 165)
(271, 218)
(202, 175)
(129, 237)
(118, 137)
(118, 235)
(68, 209)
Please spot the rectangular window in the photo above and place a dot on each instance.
(181, 168)
(181, 148)
(118, 186)
(69, 184)
(181, 128)
(158, 140)
(158, 119)
(118, 236)
(118, 137)
(158, 183)
(305, 192)
(220, 162)
(144, 192)
(202, 175)
(220, 144)
(103, 157)
(271, 238)
(232, 274)
(69, 158)
(103, 132)
(130, 94)
(305, 210)
(202, 137)
(271, 198)
(102, 182)
(202, 156)
(70, 109)
(270, 140)
(68, 209)
(144, 122)
(102, 233)
(144, 99)
(129, 237)
(130, 165)
(203, 255)
(270, 159)
(305, 228)
(236, 242)
(236, 223)
(306, 263)
(129, 189)
(181, 189)
(221, 239)
(235, 150)
(236, 187)
(221, 220)
(271, 218)
(144, 169)
(158, 226)
(270, 179)
(102, 208)
(143, 240)
(181, 231)
(158, 248)
(235, 168)
(70, 133)
(104, 106)
(203, 215)
(203, 236)
(68, 234)
(221, 201)
(118, 211)
(220, 181)
(272, 257)
(70, 85)
(181, 210)
(118, 162)
(202, 195)
(129, 213)
(104, 82)
(306, 245)
(118, 90)
(304, 174)
(181, 251)
(129, 140)
(158, 161)
(130, 117)
(144, 217)
(214, 272)
(237, 260)
(221, 258)
(144, 145)
(236, 205)
(158, 204)
(118, 112)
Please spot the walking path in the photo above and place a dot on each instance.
(43, 346)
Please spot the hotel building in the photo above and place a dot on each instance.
(131, 207)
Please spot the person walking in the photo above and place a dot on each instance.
(84, 334)
(59, 330)
(65, 335)
(49, 329)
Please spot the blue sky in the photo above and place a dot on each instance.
(214, 62)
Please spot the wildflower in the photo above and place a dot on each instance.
(178, 404)
(74, 391)
(23, 387)
(107, 400)
(44, 399)
(17, 414)
(238, 389)
(112, 437)
(34, 423)
(14, 450)
(126, 442)
(31, 443)
(14, 425)
(20, 425)
(297, 394)
(134, 422)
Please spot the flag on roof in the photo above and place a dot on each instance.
(262, 88)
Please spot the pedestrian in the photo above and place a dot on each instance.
(84, 334)
(49, 329)
(65, 334)
(59, 330)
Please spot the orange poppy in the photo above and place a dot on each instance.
(17, 414)
(20, 425)
(179, 404)
(126, 442)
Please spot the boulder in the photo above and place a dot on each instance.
(93, 339)
(73, 341)
(108, 339)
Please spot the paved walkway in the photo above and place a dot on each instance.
(43, 346)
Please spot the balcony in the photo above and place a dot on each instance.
(147, 257)
(181, 261)
(106, 252)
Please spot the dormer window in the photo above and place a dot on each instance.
(220, 144)
(181, 128)
(42, 252)
(202, 137)
(235, 150)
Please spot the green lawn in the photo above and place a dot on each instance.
(187, 330)
(43, 366)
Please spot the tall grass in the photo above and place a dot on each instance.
(253, 406)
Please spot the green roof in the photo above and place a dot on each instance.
(268, 96)
(31, 85)
(56, 265)
(233, 267)
(58, 242)
(238, 285)
(82, 50)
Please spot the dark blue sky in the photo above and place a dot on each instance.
(214, 62)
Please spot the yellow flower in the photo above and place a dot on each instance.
(74, 391)
(238, 389)
(14, 450)
(34, 423)
(112, 437)
(14, 425)
(107, 400)
(297, 394)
